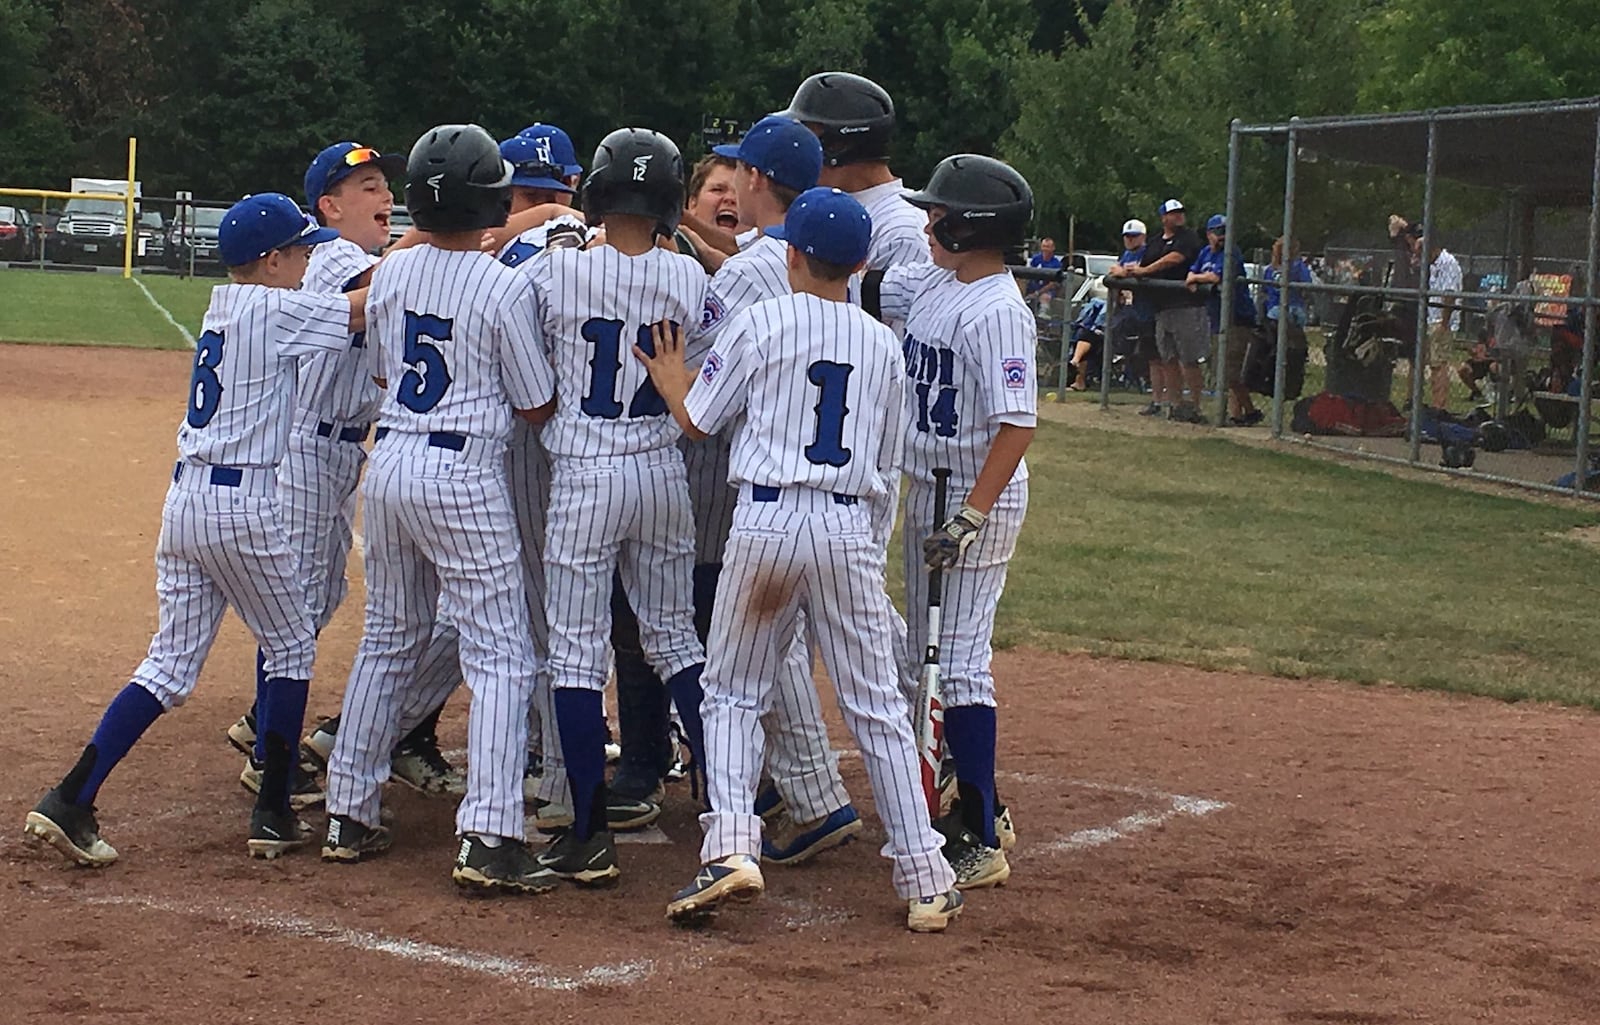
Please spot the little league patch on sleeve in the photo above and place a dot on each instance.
(712, 312)
(712, 366)
(1016, 371)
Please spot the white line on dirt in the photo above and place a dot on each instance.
(187, 335)
(1177, 805)
(510, 969)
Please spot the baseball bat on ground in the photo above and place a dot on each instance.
(929, 716)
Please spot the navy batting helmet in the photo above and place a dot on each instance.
(636, 171)
(987, 203)
(456, 180)
(853, 116)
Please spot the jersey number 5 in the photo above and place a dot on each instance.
(205, 388)
(601, 400)
(827, 445)
(428, 379)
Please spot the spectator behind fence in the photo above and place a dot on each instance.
(1181, 339)
(1207, 269)
(1444, 318)
(1045, 259)
(1133, 322)
(1088, 338)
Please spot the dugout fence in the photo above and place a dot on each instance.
(1516, 337)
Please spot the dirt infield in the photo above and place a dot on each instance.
(1195, 847)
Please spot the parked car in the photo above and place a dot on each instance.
(89, 231)
(17, 234)
(399, 222)
(151, 245)
(194, 228)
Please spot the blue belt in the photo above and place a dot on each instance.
(221, 476)
(438, 439)
(356, 434)
(768, 493)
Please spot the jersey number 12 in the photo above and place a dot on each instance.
(601, 400)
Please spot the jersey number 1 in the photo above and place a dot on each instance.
(827, 445)
(428, 379)
(205, 387)
(601, 400)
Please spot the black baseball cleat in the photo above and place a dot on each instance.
(276, 833)
(420, 765)
(734, 878)
(70, 829)
(633, 798)
(349, 841)
(591, 862)
(508, 868)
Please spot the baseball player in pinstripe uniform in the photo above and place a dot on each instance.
(543, 170)
(969, 351)
(815, 387)
(806, 806)
(454, 337)
(347, 190)
(618, 497)
(222, 540)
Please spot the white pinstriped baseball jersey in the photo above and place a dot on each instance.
(456, 335)
(969, 352)
(596, 305)
(531, 243)
(759, 271)
(339, 388)
(796, 368)
(241, 394)
(897, 227)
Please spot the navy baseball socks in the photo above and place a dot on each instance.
(64, 817)
(587, 852)
(972, 842)
(280, 711)
(686, 696)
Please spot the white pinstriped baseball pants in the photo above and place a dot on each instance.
(438, 675)
(223, 546)
(806, 552)
(317, 489)
(628, 514)
(441, 544)
(972, 589)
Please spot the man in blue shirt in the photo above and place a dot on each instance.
(1044, 259)
(1207, 270)
(1133, 320)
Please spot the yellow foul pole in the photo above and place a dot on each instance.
(132, 232)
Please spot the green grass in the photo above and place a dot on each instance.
(1213, 554)
(97, 309)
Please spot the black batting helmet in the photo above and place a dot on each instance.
(987, 203)
(636, 171)
(457, 181)
(852, 116)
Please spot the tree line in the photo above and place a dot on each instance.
(1107, 106)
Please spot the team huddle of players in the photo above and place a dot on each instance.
(593, 459)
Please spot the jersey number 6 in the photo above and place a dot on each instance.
(428, 379)
(601, 401)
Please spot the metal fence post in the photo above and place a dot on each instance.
(1230, 208)
(1281, 359)
(1419, 360)
(1586, 377)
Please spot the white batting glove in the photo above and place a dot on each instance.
(943, 548)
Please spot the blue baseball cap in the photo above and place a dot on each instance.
(1171, 206)
(827, 224)
(782, 149)
(339, 161)
(560, 149)
(1217, 223)
(531, 166)
(256, 225)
